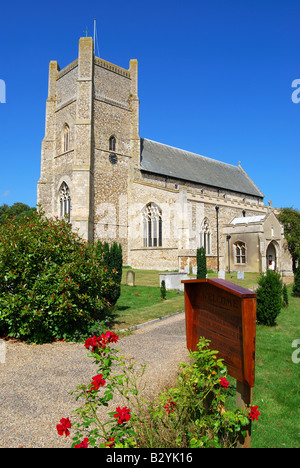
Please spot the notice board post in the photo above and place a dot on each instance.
(225, 314)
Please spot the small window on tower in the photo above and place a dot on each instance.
(66, 138)
(112, 144)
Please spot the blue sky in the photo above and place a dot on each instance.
(215, 78)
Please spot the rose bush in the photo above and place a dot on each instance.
(192, 414)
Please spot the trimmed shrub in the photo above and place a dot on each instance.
(285, 296)
(296, 287)
(52, 283)
(201, 263)
(112, 257)
(269, 297)
(163, 291)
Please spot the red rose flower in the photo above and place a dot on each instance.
(254, 413)
(224, 382)
(110, 337)
(94, 343)
(64, 426)
(101, 341)
(111, 442)
(170, 406)
(83, 444)
(97, 382)
(122, 414)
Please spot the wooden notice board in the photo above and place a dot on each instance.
(225, 314)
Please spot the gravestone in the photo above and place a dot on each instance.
(130, 278)
(221, 274)
(173, 280)
(240, 275)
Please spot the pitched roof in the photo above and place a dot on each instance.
(173, 162)
(248, 219)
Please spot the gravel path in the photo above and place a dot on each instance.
(36, 380)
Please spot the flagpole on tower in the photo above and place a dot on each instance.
(96, 39)
(94, 34)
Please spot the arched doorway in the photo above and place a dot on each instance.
(271, 257)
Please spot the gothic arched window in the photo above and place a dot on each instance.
(240, 252)
(66, 138)
(205, 236)
(112, 143)
(65, 201)
(152, 226)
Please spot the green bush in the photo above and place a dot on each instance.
(163, 291)
(285, 296)
(201, 263)
(296, 287)
(113, 259)
(52, 283)
(269, 297)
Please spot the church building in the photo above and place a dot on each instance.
(161, 203)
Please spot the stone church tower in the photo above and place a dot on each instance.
(91, 144)
(161, 203)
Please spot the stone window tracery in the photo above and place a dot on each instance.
(65, 201)
(205, 236)
(152, 225)
(240, 252)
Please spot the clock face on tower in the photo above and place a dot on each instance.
(113, 158)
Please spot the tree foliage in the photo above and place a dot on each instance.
(296, 287)
(290, 218)
(18, 210)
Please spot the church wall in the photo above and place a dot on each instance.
(60, 109)
(184, 206)
(110, 200)
(65, 115)
(158, 258)
(165, 257)
(66, 84)
(111, 121)
(251, 241)
(112, 117)
(111, 83)
(272, 228)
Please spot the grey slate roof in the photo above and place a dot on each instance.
(173, 162)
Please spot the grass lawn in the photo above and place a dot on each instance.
(140, 304)
(249, 282)
(276, 391)
(277, 377)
